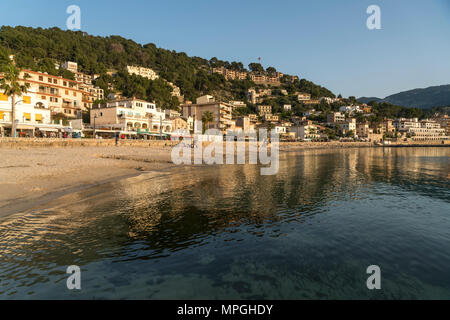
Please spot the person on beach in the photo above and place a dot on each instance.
(117, 139)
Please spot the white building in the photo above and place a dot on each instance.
(71, 66)
(280, 129)
(143, 72)
(130, 117)
(425, 130)
(350, 109)
(287, 107)
(329, 100)
(348, 126)
(238, 104)
(307, 131)
(33, 116)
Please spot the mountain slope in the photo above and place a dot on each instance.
(368, 99)
(422, 98)
(426, 98)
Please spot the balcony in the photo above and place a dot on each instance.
(47, 90)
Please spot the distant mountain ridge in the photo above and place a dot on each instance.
(425, 98)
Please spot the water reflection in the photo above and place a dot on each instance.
(310, 231)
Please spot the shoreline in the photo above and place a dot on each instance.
(33, 173)
(25, 143)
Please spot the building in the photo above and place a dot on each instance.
(264, 109)
(444, 121)
(265, 80)
(253, 117)
(348, 126)
(221, 111)
(131, 117)
(329, 100)
(176, 92)
(230, 74)
(271, 118)
(424, 130)
(280, 129)
(252, 96)
(350, 109)
(63, 95)
(179, 123)
(143, 72)
(71, 66)
(303, 97)
(172, 113)
(256, 96)
(287, 107)
(388, 126)
(306, 131)
(364, 132)
(311, 102)
(238, 104)
(335, 118)
(79, 76)
(312, 112)
(90, 95)
(245, 124)
(33, 116)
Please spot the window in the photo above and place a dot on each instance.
(27, 116)
(26, 99)
(65, 83)
(55, 81)
(74, 94)
(38, 117)
(3, 97)
(50, 80)
(2, 115)
(41, 78)
(43, 97)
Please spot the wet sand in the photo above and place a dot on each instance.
(30, 177)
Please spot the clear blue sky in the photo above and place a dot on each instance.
(325, 41)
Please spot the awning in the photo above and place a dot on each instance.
(48, 129)
(24, 127)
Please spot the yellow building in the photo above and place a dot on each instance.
(63, 95)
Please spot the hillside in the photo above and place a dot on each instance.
(368, 99)
(426, 98)
(39, 49)
(422, 98)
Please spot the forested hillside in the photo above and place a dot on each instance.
(39, 49)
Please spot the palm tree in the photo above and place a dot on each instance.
(206, 119)
(11, 86)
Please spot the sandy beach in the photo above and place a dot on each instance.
(35, 175)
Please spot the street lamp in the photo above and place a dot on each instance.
(95, 117)
(16, 121)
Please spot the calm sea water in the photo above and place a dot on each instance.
(226, 232)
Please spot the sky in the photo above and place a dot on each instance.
(325, 41)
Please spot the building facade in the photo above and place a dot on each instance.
(143, 72)
(33, 116)
(221, 111)
(62, 95)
